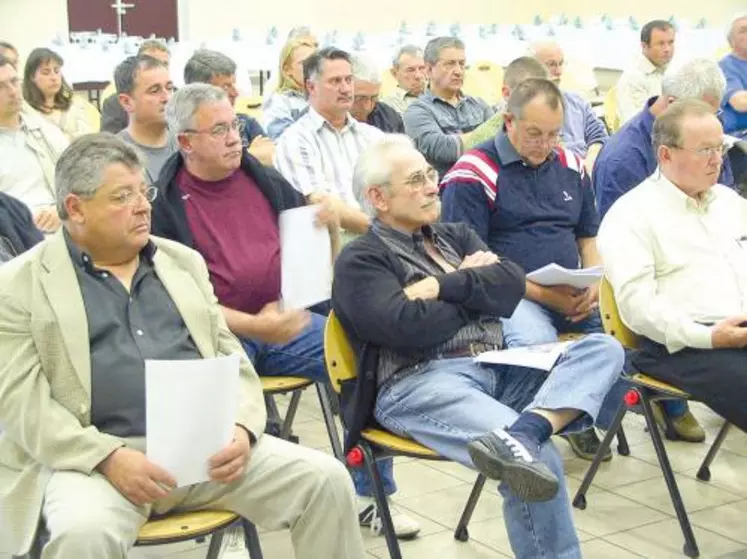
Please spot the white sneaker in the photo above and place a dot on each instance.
(234, 545)
(405, 527)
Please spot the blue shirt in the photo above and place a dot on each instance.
(531, 215)
(628, 158)
(581, 127)
(735, 70)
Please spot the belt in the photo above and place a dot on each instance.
(472, 350)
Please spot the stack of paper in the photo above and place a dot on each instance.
(552, 274)
(541, 357)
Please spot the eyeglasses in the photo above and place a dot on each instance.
(706, 152)
(418, 181)
(221, 130)
(131, 197)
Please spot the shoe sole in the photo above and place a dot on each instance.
(526, 483)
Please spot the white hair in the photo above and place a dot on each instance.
(696, 79)
(375, 165)
(365, 70)
(536, 46)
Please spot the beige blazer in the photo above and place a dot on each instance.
(45, 372)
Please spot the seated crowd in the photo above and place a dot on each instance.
(159, 238)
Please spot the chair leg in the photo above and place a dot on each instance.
(329, 421)
(579, 501)
(622, 442)
(381, 502)
(290, 414)
(461, 533)
(704, 472)
(691, 547)
(215, 544)
(251, 538)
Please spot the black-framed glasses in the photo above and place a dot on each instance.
(221, 130)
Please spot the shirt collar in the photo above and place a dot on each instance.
(318, 121)
(402, 93)
(506, 151)
(648, 67)
(428, 96)
(411, 240)
(673, 194)
(82, 259)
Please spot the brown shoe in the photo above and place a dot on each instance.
(686, 427)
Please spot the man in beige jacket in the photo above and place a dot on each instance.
(79, 314)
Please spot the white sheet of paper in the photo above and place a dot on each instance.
(191, 409)
(305, 257)
(542, 357)
(552, 274)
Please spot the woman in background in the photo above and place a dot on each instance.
(288, 102)
(47, 92)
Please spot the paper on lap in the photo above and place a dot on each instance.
(552, 274)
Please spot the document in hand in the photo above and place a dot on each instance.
(190, 413)
(552, 274)
(543, 357)
(305, 259)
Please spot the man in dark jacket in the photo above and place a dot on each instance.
(366, 105)
(220, 200)
(419, 300)
(17, 230)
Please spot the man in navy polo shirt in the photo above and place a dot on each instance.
(628, 157)
(532, 202)
(734, 66)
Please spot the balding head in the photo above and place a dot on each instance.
(737, 36)
(551, 55)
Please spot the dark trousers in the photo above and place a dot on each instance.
(716, 377)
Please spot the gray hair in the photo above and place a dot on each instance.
(536, 46)
(411, 50)
(185, 102)
(81, 167)
(312, 66)
(528, 90)
(696, 79)
(125, 74)
(435, 46)
(365, 70)
(522, 69)
(205, 65)
(374, 167)
(153, 44)
(667, 129)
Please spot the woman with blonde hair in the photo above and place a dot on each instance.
(288, 102)
(47, 92)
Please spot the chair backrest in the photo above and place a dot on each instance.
(484, 79)
(338, 353)
(613, 324)
(109, 90)
(249, 105)
(611, 118)
(388, 83)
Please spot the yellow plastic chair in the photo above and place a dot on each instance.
(184, 526)
(611, 118)
(484, 79)
(109, 90)
(388, 83)
(645, 391)
(249, 105)
(379, 443)
(92, 115)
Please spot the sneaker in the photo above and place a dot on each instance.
(502, 456)
(686, 427)
(405, 528)
(233, 545)
(586, 444)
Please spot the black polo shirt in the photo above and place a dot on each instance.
(125, 329)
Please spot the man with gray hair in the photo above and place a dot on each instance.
(418, 300)
(366, 105)
(440, 121)
(408, 68)
(734, 66)
(215, 68)
(79, 316)
(674, 252)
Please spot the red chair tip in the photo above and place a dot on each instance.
(632, 398)
(355, 457)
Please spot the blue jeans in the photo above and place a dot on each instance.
(304, 357)
(454, 401)
(533, 324)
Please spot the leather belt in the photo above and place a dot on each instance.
(472, 350)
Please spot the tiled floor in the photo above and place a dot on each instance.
(628, 515)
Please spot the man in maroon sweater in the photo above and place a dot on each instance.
(218, 199)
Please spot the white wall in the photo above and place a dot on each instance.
(32, 23)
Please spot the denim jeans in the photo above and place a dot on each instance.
(451, 402)
(533, 324)
(304, 357)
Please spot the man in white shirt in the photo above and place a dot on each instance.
(642, 80)
(29, 148)
(317, 153)
(675, 252)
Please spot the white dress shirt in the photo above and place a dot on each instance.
(676, 264)
(316, 158)
(637, 85)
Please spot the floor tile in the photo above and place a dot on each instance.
(696, 495)
(428, 527)
(454, 469)
(727, 520)
(727, 472)
(663, 540)
(606, 513)
(602, 549)
(622, 470)
(441, 546)
(446, 506)
(682, 455)
(414, 478)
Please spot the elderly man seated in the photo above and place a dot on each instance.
(366, 105)
(79, 315)
(419, 299)
(675, 252)
(734, 66)
(408, 68)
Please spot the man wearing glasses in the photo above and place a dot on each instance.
(675, 253)
(531, 201)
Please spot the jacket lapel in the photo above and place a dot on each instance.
(63, 293)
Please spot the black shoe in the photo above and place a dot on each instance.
(502, 456)
(586, 444)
